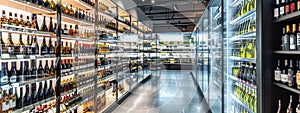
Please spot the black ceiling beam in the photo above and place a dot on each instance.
(184, 18)
(171, 12)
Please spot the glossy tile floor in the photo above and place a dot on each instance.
(173, 91)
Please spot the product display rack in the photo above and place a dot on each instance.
(70, 63)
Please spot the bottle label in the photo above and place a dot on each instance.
(281, 10)
(276, 13)
(298, 5)
(277, 75)
(298, 79)
(4, 105)
(298, 39)
(12, 102)
(287, 8)
(284, 78)
(13, 79)
(292, 42)
(285, 40)
(292, 6)
(4, 80)
(44, 52)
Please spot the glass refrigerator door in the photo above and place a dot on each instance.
(240, 51)
(215, 94)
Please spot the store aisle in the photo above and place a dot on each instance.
(172, 92)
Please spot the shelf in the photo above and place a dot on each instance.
(239, 80)
(284, 86)
(29, 107)
(241, 103)
(30, 7)
(33, 32)
(243, 59)
(80, 103)
(79, 3)
(245, 16)
(107, 15)
(6, 87)
(288, 17)
(219, 15)
(246, 36)
(235, 3)
(218, 27)
(73, 20)
(288, 52)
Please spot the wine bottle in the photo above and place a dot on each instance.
(51, 90)
(34, 46)
(55, 28)
(62, 48)
(44, 48)
(28, 23)
(4, 74)
(286, 39)
(52, 69)
(67, 10)
(40, 92)
(19, 101)
(70, 32)
(10, 19)
(3, 18)
(41, 70)
(76, 13)
(293, 5)
(20, 71)
(47, 4)
(12, 100)
(13, 73)
(51, 29)
(298, 75)
(284, 75)
(291, 74)
(71, 11)
(51, 48)
(34, 71)
(55, 47)
(71, 49)
(293, 38)
(27, 74)
(44, 26)
(16, 20)
(35, 24)
(46, 93)
(27, 97)
(287, 7)
(21, 23)
(298, 38)
(2, 44)
(290, 108)
(47, 69)
(65, 30)
(34, 94)
(66, 48)
(52, 5)
(9, 48)
(20, 46)
(76, 31)
(27, 50)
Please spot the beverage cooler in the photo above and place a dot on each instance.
(68, 55)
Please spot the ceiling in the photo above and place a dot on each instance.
(172, 15)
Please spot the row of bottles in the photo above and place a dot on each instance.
(290, 40)
(105, 73)
(284, 7)
(51, 27)
(85, 49)
(244, 49)
(290, 108)
(246, 26)
(90, 2)
(78, 13)
(246, 95)
(245, 71)
(31, 46)
(19, 97)
(44, 3)
(244, 7)
(288, 73)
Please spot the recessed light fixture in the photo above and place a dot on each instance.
(152, 1)
(143, 0)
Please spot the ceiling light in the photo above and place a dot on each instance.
(143, 0)
(152, 1)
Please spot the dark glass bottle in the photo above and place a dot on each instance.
(13, 73)
(34, 72)
(20, 72)
(35, 24)
(34, 46)
(20, 48)
(52, 69)
(16, 20)
(22, 22)
(19, 100)
(28, 46)
(44, 26)
(44, 48)
(47, 69)
(46, 93)
(4, 74)
(51, 29)
(28, 23)
(41, 2)
(51, 90)
(51, 48)
(55, 27)
(9, 48)
(71, 32)
(47, 4)
(27, 72)
(2, 44)
(40, 70)
(40, 92)
(27, 97)
(52, 5)
(65, 30)
(76, 13)
(34, 94)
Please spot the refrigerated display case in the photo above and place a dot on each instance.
(83, 71)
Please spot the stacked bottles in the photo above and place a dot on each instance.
(244, 49)
(244, 7)
(86, 49)
(78, 13)
(245, 71)
(247, 96)
(284, 7)
(90, 2)
(291, 38)
(246, 26)
(288, 72)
